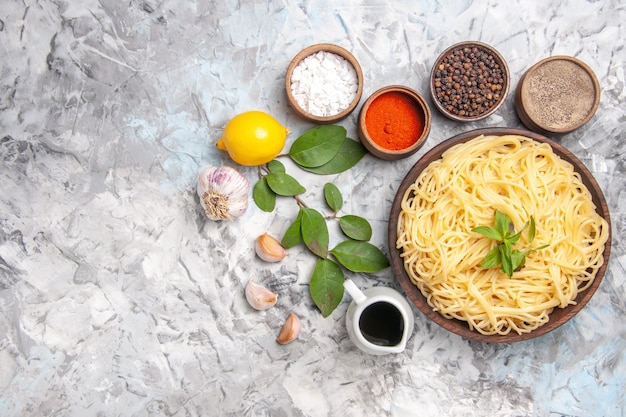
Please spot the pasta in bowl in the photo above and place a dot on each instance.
(458, 187)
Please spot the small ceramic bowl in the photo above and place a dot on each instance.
(293, 89)
(469, 81)
(557, 95)
(382, 124)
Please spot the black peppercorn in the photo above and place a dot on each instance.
(468, 81)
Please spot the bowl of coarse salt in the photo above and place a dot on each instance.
(324, 83)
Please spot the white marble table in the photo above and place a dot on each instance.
(118, 298)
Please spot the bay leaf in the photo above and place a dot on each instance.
(284, 184)
(333, 197)
(263, 196)
(360, 256)
(317, 146)
(350, 153)
(314, 232)
(326, 286)
(276, 166)
(293, 234)
(355, 227)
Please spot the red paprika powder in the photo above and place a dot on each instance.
(394, 121)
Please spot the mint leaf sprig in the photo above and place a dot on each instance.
(503, 254)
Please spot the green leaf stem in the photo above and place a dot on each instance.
(322, 150)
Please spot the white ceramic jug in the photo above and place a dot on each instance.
(379, 320)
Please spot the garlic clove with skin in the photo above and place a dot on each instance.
(290, 330)
(259, 297)
(269, 248)
(223, 193)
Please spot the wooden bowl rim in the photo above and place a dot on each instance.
(391, 154)
(521, 104)
(505, 91)
(559, 316)
(335, 49)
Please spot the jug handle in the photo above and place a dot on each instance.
(354, 291)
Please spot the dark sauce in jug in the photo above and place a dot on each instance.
(381, 323)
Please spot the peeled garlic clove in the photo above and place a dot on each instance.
(269, 248)
(223, 193)
(290, 330)
(259, 297)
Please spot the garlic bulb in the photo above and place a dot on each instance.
(223, 193)
(259, 297)
(269, 248)
(290, 330)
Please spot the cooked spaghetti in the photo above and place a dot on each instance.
(521, 178)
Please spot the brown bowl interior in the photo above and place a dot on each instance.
(335, 49)
(560, 315)
(585, 88)
(389, 154)
(503, 94)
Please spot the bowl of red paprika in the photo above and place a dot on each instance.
(394, 122)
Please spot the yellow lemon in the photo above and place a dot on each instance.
(253, 138)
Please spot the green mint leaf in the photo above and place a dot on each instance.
(314, 232)
(360, 256)
(317, 146)
(501, 224)
(492, 259)
(284, 184)
(333, 197)
(263, 196)
(488, 232)
(531, 230)
(350, 153)
(514, 238)
(326, 286)
(276, 166)
(505, 257)
(293, 234)
(518, 259)
(355, 227)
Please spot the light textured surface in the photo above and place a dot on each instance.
(118, 298)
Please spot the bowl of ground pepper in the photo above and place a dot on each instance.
(394, 122)
(557, 95)
(324, 83)
(469, 81)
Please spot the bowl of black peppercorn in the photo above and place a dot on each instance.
(469, 81)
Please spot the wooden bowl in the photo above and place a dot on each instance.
(422, 113)
(306, 52)
(560, 315)
(557, 95)
(472, 102)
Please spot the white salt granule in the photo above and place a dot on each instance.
(324, 84)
